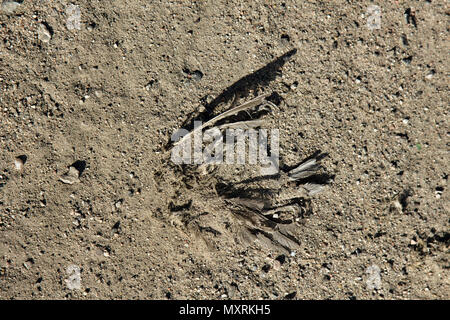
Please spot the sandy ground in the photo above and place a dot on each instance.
(111, 93)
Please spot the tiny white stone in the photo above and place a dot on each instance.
(9, 6)
(374, 277)
(276, 265)
(397, 205)
(18, 163)
(43, 33)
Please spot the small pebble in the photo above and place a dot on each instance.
(430, 75)
(74, 280)
(374, 277)
(197, 75)
(285, 39)
(397, 205)
(71, 176)
(294, 85)
(276, 265)
(73, 13)
(9, 7)
(43, 33)
(18, 163)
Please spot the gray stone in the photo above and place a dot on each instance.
(9, 7)
(43, 33)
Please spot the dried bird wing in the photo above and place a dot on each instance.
(71, 176)
(253, 204)
(266, 240)
(276, 240)
(284, 236)
(245, 106)
(304, 170)
(293, 208)
(268, 233)
(314, 188)
(245, 237)
(212, 146)
(206, 168)
(248, 217)
(242, 125)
